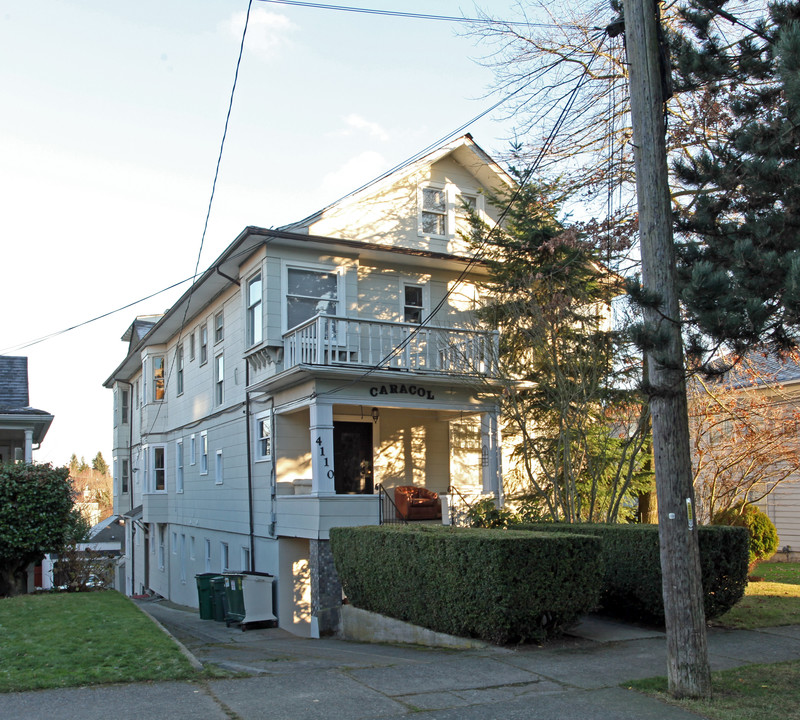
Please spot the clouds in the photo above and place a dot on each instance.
(268, 33)
(356, 124)
(355, 172)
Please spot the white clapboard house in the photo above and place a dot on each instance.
(309, 372)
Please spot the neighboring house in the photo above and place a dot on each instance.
(106, 540)
(294, 379)
(774, 387)
(22, 428)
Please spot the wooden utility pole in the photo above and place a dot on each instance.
(688, 670)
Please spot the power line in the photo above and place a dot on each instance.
(477, 256)
(412, 15)
(30, 343)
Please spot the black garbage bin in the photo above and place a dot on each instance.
(205, 595)
(220, 602)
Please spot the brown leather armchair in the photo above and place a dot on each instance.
(417, 503)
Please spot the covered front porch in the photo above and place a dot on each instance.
(341, 463)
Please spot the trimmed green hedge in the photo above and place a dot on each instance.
(632, 581)
(497, 585)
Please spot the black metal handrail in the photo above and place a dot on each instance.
(452, 490)
(394, 516)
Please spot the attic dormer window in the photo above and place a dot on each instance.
(434, 211)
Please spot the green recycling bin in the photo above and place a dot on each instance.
(220, 603)
(205, 596)
(234, 597)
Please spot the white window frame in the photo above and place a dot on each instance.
(124, 407)
(179, 466)
(154, 470)
(219, 379)
(445, 214)
(224, 557)
(454, 214)
(208, 555)
(192, 449)
(424, 309)
(219, 468)
(183, 559)
(174, 543)
(191, 346)
(203, 335)
(204, 452)
(191, 547)
(125, 472)
(154, 365)
(337, 270)
(245, 558)
(161, 530)
(219, 327)
(254, 312)
(179, 365)
(262, 418)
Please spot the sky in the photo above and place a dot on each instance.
(110, 128)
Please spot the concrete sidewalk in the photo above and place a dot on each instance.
(292, 678)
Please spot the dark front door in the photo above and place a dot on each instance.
(352, 457)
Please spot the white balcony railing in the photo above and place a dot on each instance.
(329, 340)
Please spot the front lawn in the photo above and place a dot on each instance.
(775, 601)
(71, 639)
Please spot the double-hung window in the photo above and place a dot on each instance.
(159, 468)
(219, 327)
(413, 303)
(309, 293)
(255, 321)
(125, 407)
(192, 449)
(203, 344)
(179, 466)
(219, 379)
(263, 436)
(179, 369)
(204, 453)
(158, 378)
(191, 347)
(125, 473)
(433, 215)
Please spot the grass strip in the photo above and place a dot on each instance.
(72, 639)
(753, 692)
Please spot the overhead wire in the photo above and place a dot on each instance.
(413, 15)
(174, 358)
(480, 251)
(413, 158)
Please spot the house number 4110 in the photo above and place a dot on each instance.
(324, 457)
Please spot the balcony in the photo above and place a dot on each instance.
(337, 341)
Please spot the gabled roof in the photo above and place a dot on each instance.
(225, 269)
(464, 149)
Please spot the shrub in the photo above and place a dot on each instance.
(632, 562)
(763, 535)
(497, 585)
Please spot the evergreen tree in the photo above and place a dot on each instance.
(100, 464)
(578, 431)
(740, 250)
(73, 464)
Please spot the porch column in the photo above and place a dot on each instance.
(321, 428)
(490, 455)
(29, 446)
